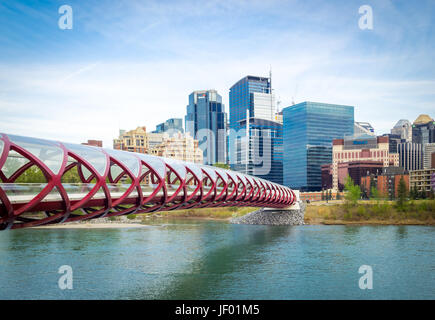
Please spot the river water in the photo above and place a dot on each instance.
(188, 259)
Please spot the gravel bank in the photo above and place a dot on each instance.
(273, 217)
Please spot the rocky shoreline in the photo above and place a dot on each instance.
(274, 217)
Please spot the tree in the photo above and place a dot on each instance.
(402, 193)
(374, 193)
(353, 192)
(323, 195)
(32, 175)
(413, 193)
(221, 165)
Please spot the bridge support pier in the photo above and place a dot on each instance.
(272, 216)
(293, 215)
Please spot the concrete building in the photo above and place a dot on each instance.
(386, 182)
(428, 151)
(278, 117)
(422, 180)
(95, 143)
(394, 140)
(137, 140)
(179, 146)
(355, 170)
(410, 156)
(206, 121)
(363, 149)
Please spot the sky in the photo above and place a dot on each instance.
(133, 63)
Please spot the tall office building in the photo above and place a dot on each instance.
(423, 130)
(403, 129)
(265, 154)
(171, 126)
(428, 150)
(393, 141)
(206, 122)
(410, 156)
(308, 131)
(253, 94)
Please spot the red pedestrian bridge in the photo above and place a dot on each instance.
(46, 182)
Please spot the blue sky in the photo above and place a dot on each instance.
(130, 63)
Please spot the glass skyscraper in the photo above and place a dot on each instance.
(308, 131)
(243, 94)
(264, 157)
(171, 126)
(206, 122)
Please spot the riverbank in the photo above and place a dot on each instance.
(87, 225)
(421, 212)
(216, 213)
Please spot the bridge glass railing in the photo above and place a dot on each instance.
(46, 151)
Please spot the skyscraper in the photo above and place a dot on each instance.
(403, 129)
(170, 126)
(265, 154)
(308, 131)
(410, 155)
(423, 130)
(249, 93)
(206, 122)
(428, 150)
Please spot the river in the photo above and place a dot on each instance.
(189, 259)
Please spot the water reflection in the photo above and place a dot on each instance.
(208, 271)
(213, 260)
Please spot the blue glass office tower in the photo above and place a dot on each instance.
(171, 125)
(206, 121)
(308, 131)
(241, 100)
(265, 154)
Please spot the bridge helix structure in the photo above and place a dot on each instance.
(47, 182)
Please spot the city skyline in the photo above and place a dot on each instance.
(122, 62)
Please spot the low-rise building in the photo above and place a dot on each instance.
(422, 180)
(179, 146)
(137, 140)
(94, 143)
(386, 182)
(365, 150)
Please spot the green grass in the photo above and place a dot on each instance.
(215, 213)
(411, 212)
